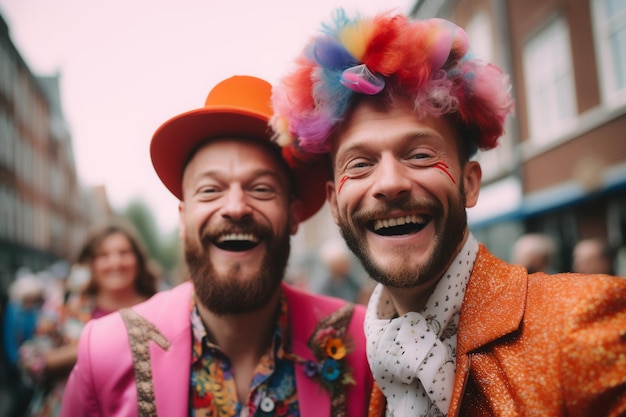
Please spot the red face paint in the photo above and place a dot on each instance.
(443, 167)
(341, 183)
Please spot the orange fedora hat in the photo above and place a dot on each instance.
(239, 106)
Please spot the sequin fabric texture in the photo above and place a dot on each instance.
(538, 345)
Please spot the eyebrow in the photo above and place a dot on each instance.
(255, 174)
(269, 173)
(410, 135)
(364, 144)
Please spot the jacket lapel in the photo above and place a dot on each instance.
(493, 307)
(171, 365)
(313, 400)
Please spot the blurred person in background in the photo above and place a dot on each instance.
(234, 339)
(118, 277)
(401, 106)
(336, 277)
(535, 252)
(26, 298)
(593, 256)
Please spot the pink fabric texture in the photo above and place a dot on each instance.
(103, 381)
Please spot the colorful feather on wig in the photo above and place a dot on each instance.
(427, 60)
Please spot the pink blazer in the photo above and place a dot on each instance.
(102, 382)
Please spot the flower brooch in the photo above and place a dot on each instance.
(330, 368)
(330, 348)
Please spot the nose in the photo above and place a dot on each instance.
(111, 260)
(391, 180)
(115, 258)
(236, 205)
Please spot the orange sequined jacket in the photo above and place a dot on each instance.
(538, 345)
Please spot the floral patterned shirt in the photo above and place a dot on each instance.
(213, 392)
(58, 326)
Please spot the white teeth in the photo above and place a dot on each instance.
(238, 236)
(398, 221)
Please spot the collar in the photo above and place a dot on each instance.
(201, 338)
(446, 299)
(400, 361)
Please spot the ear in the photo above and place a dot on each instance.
(295, 214)
(181, 223)
(472, 175)
(331, 197)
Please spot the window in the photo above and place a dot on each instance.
(478, 29)
(610, 29)
(496, 162)
(549, 82)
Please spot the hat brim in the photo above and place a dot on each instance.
(176, 140)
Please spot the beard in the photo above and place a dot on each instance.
(449, 232)
(230, 294)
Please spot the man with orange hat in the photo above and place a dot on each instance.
(235, 340)
(399, 107)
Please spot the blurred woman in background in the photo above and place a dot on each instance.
(119, 277)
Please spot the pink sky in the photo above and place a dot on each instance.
(127, 66)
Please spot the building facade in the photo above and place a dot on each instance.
(561, 169)
(44, 212)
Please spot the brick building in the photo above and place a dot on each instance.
(561, 168)
(44, 212)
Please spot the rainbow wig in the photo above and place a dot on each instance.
(427, 61)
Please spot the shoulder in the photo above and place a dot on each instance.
(308, 312)
(561, 291)
(488, 263)
(158, 303)
(578, 281)
(299, 299)
(166, 310)
(579, 293)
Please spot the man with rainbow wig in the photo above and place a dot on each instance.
(399, 107)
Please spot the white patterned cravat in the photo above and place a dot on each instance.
(413, 357)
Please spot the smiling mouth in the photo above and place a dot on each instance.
(237, 242)
(398, 226)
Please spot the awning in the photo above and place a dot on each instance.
(503, 200)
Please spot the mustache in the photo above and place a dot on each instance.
(409, 204)
(228, 226)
